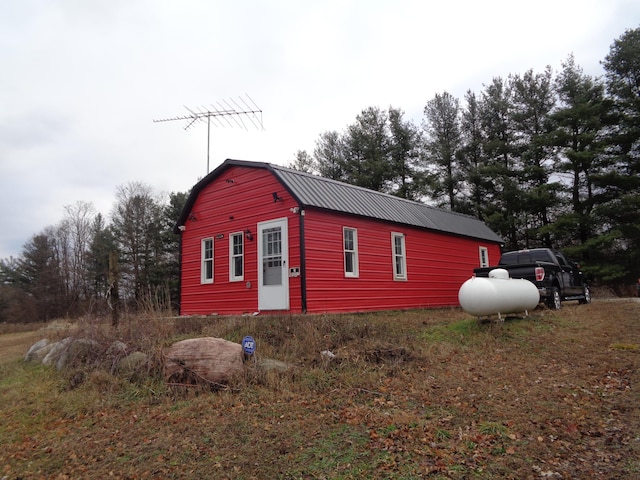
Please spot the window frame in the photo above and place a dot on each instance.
(402, 256)
(233, 276)
(353, 252)
(204, 260)
(483, 253)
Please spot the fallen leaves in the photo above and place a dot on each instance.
(544, 398)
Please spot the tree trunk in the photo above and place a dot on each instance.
(113, 289)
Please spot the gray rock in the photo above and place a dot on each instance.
(51, 358)
(275, 365)
(117, 349)
(132, 364)
(43, 352)
(79, 350)
(33, 355)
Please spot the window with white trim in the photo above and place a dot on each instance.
(206, 268)
(236, 257)
(399, 256)
(350, 243)
(484, 256)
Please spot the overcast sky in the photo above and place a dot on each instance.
(82, 81)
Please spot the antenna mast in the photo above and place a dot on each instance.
(223, 110)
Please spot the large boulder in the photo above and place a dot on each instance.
(206, 359)
(132, 365)
(55, 351)
(117, 349)
(79, 350)
(63, 353)
(37, 351)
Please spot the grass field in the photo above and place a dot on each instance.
(419, 394)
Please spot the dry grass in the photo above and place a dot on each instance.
(13, 344)
(420, 394)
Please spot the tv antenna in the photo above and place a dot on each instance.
(222, 113)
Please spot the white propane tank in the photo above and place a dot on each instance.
(497, 294)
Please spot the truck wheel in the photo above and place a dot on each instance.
(554, 302)
(587, 295)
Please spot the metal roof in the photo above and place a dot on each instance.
(319, 192)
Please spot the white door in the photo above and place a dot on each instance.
(273, 259)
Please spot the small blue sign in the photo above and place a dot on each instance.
(248, 345)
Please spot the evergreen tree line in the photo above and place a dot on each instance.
(543, 158)
(84, 265)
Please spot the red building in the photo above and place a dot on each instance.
(257, 237)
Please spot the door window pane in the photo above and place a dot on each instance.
(272, 256)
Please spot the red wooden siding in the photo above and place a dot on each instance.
(240, 197)
(235, 201)
(437, 264)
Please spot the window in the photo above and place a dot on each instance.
(206, 270)
(484, 256)
(350, 240)
(399, 257)
(236, 257)
(272, 261)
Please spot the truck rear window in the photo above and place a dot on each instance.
(522, 257)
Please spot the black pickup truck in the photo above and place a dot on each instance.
(556, 277)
